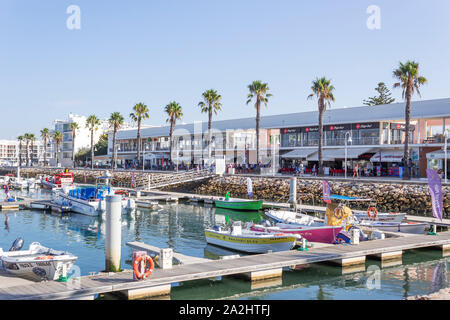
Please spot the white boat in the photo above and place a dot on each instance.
(38, 262)
(381, 217)
(404, 227)
(250, 241)
(89, 200)
(147, 204)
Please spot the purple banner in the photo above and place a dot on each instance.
(326, 192)
(435, 188)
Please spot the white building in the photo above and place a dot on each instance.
(82, 137)
(9, 153)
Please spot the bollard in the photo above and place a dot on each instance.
(165, 258)
(355, 233)
(293, 193)
(113, 234)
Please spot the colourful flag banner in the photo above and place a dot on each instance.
(326, 191)
(435, 188)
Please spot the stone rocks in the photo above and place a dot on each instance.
(390, 197)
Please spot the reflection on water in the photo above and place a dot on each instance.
(182, 227)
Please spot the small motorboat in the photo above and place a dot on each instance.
(238, 204)
(147, 204)
(373, 215)
(249, 241)
(57, 181)
(37, 263)
(404, 227)
(308, 227)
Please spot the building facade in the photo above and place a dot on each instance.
(372, 136)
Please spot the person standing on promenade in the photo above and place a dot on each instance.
(356, 171)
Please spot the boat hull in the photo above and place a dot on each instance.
(250, 244)
(239, 205)
(382, 217)
(325, 234)
(415, 228)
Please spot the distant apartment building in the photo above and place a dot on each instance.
(10, 150)
(82, 138)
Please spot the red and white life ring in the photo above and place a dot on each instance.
(147, 271)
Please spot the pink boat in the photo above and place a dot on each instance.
(310, 228)
(323, 234)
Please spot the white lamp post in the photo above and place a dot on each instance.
(350, 141)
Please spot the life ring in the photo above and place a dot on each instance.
(372, 212)
(338, 209)
(147, 272)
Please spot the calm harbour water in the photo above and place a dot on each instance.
(181, 227)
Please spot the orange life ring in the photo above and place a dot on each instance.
(147, 272)
(372, 212)
(338, 209)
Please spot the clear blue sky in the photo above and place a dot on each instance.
(158, 51)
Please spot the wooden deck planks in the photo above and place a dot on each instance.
(123, 281)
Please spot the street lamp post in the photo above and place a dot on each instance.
(350, 141)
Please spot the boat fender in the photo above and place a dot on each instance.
(372, 212)
(148, 271)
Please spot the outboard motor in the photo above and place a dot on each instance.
(17, 245)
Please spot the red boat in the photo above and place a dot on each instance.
(58, 180)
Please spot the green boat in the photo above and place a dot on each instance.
(251, 205)
(235, 215)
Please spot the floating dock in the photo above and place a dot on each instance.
(253, 267)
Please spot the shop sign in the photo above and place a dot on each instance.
(402, 126)
(372, 125)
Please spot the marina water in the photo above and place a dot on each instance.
(181, 227)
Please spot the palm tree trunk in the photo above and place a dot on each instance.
(320, 158)
(171, 139)
(57, 153)
(28, 156)
(32, 145)
(45, 152)
(139, 144)
(20, 153)
(258, 119)
(92, 148)
(73, 149)
(113, 162)
(406, 173)
(209, 132)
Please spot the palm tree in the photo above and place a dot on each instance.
(323, 90)
(74, 127)
(410, 81)
(20, 139)
(92, 123)
(32, 140)
(58, 137)
(174, 111)
(45, 135)
(211, 103)
(140, 113)
(258, 90)
(115, 121)
(27, 142)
